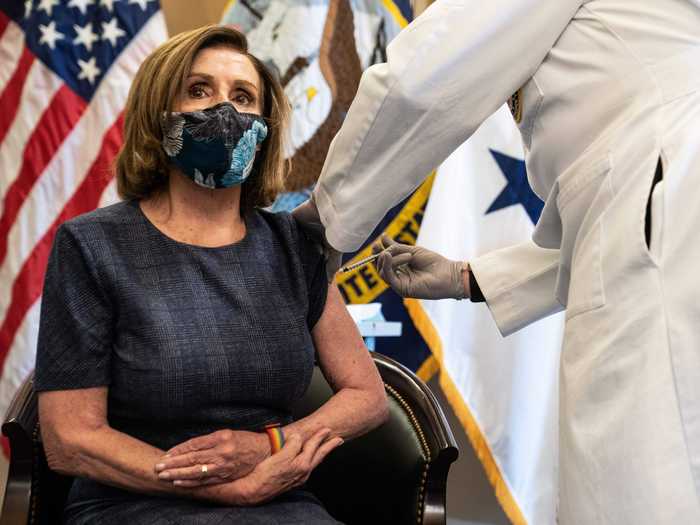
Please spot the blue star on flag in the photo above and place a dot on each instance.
(517, 190)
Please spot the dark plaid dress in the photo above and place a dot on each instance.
(188, 339)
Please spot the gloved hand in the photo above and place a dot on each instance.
(307, 215)
(417, 272)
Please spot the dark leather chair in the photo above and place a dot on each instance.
(396, 474)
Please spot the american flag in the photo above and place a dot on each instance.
(65, 71)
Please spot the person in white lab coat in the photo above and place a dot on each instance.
(607, 96)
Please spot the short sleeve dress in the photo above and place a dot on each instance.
(188, 339)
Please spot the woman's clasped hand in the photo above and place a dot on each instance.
(285, 470)
(244, 460)
(226, 454)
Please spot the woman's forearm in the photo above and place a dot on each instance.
(108, 456)
(349, 413)
(359, 403)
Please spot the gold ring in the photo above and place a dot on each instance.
(204, 469)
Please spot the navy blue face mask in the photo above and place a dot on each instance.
(215, 147)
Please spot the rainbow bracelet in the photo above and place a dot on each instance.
(274, 432)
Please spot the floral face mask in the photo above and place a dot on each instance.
(216, 146)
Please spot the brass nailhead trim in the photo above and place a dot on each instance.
(424, 445)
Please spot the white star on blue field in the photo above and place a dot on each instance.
(517, 190)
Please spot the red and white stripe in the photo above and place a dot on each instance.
(11, 46)
(49, 177)
(40, 88)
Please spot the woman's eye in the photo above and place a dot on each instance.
(197, 91)
(243, 98)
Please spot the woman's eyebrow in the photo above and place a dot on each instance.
(210, 78)
(246, 83)
(205, 76)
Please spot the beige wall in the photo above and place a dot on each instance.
(181, 15)
(420, 5)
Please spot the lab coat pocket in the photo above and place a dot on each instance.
(584, 194)
(654, 217)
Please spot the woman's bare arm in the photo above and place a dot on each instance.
(79, 442)
(359, 403)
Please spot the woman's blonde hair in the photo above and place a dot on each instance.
(142, 166)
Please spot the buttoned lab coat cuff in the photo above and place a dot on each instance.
(342, 240)
(518, 284)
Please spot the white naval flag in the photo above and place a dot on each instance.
(503, 390)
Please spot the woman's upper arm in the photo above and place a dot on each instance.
(342, 355)
(84, 407)
(68, 416)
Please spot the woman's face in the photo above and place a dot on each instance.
(221, 74)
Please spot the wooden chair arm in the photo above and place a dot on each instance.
(19, 427)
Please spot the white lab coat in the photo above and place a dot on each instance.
(609, 87)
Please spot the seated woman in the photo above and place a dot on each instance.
(185, 319)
